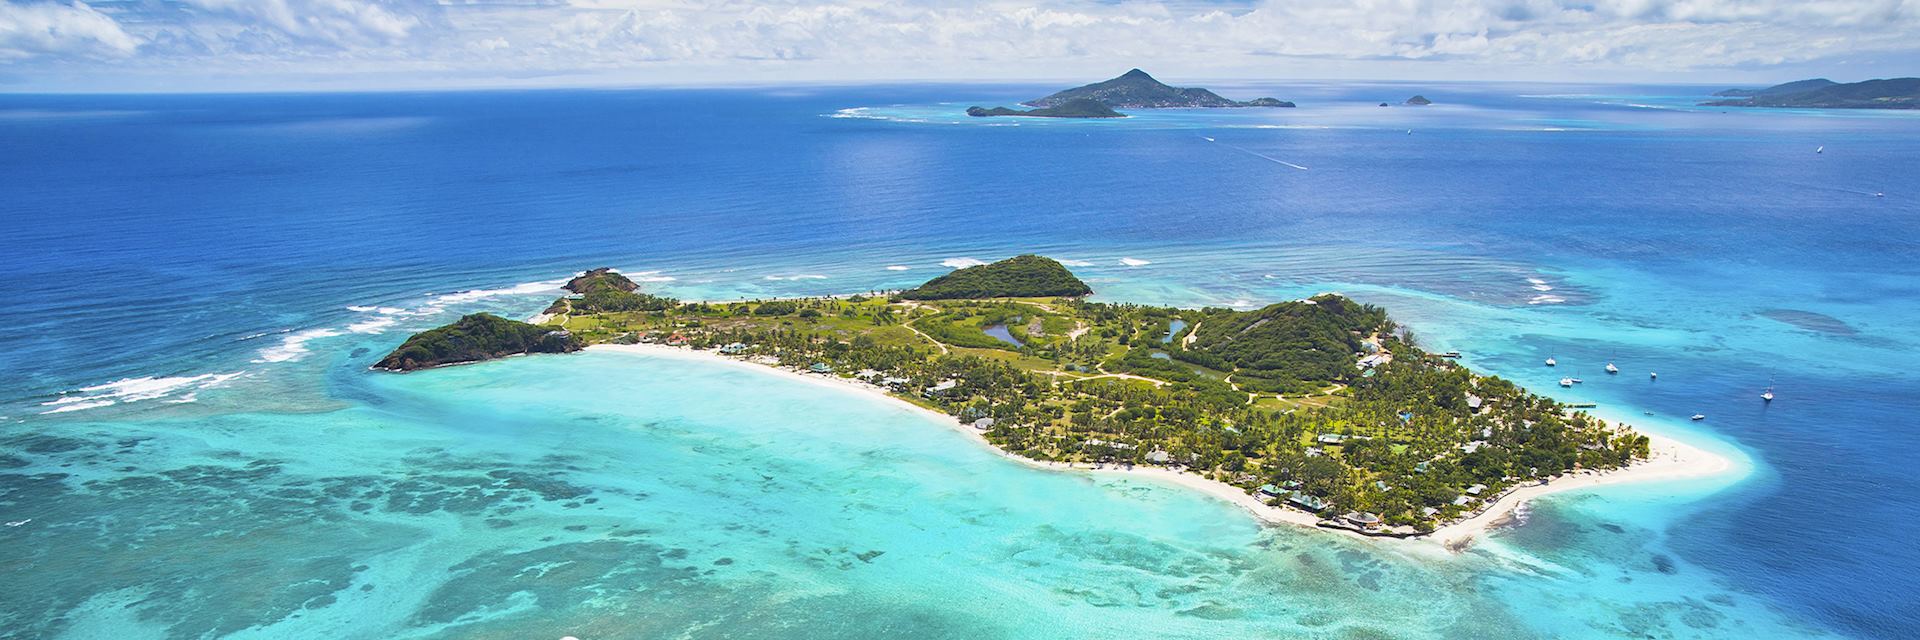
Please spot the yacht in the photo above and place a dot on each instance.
(1699, 416)
(1566, 382)
(1820, 149)
(1612, 369)
(1653, 375)
(1550, 362)
(1767, 396)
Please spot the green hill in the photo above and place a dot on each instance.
(1288, 346)
(476, 337)
(1027, 276)
(1821, 93)
(601, 279)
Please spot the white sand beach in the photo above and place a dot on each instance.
(1670, 459)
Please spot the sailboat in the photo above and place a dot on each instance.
(1767, 396)
(1612, 369)
(1550, 362)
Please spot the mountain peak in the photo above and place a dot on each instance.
(1137, 90)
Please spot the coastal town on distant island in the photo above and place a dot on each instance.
(1321, 405)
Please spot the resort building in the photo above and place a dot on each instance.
(983, 424)
(1310, 503)
(944, 387)
(734, 348)
(821, 367)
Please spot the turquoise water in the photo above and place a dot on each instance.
(193, 447)
(610, 495)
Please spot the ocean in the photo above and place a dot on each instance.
(194, 285)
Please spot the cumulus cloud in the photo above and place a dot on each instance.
(804, 39)
(61, 30)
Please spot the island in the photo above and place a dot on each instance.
(1076, 108)
(1131, 90)
(1821, 93)
(477, 337)
(1322, 408)
(1419, 101)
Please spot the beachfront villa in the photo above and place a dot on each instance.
(1330, 438)
(942, 388)
(734, 348)
(821, 367)
(983, 424)
(1157, 456)
(1308, 502)
(1363, 519)
(1476, 489)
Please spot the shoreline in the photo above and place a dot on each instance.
(1669, 459)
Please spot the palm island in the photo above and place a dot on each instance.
(1321, 405)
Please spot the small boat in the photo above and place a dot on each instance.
(1612, 369)
(1699, 416)
(1879, 194)
(1576, 380)
(1551, 362)
(1653, 376)
(1768, 395)
(1566, 382)
(1647, 412)
(1820, 149)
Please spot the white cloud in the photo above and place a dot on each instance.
(58, 30)
(948, 39)
(333, 22)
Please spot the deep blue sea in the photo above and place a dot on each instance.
(191, 288)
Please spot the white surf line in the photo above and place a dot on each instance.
(1255, 154)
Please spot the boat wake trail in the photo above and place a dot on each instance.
(1255, 154)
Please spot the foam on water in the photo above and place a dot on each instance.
(137, 389)
(294, 346)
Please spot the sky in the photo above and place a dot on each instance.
(298, 45)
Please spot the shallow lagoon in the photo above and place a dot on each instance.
(610, 495)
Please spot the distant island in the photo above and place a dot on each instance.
(1131, 90)
(1320, 409)
(1821, 93)
(1419, 101)
(1077, 108)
